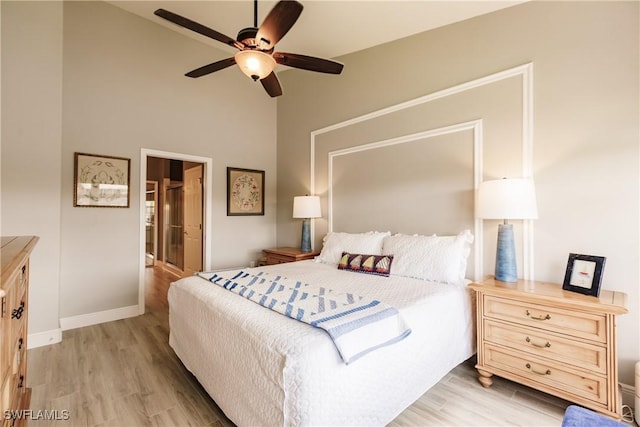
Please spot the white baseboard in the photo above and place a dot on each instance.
(89, 319)
(40, 339)
(628, 393)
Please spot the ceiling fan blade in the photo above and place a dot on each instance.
(308, 63)
(198, 28)
(272, 85)
(210, 68)
(277, 23)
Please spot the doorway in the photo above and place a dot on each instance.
(182, 214)
(179, 234)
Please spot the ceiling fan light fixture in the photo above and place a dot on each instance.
(255, 64)
(256, 57)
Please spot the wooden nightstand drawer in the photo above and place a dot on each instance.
(581, 355)
(569, 322)
(277, 259)
(548, 373)
(287, 254)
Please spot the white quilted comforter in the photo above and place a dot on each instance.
(263, 368)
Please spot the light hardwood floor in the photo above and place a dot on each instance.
(124, 373)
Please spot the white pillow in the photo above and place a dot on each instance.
(437, 258)
(334, 243)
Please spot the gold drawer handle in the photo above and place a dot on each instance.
(548, 372)
(547, 345)
(547, 317)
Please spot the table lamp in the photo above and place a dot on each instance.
(306, 207)
(508, 198)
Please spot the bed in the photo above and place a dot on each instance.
(263, 368)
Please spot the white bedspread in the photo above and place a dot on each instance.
(263, 368)
(357, 325)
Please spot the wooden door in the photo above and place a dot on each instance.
(192, 220)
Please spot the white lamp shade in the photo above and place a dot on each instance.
(509, 198)
(255, 64)
(306, 207)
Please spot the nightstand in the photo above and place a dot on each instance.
(556, 341)
(286, 254)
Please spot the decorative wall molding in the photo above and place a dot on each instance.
(525, 71)
(475, 126)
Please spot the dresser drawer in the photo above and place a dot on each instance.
(278, 259)
(585, 356)
(547, 373)
(17, 311)
(561, 320)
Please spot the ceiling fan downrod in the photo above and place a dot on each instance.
(255, 13)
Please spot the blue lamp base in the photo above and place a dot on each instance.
(506, 270)
(306, 236)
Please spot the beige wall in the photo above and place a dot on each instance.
(124, 89)
(30, 150)
(90, 77)
(585, 127)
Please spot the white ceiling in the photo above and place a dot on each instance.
(326, 28)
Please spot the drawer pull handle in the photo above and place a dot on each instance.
(17, 312)
(547, 317)
(547, 345)
(547, 372)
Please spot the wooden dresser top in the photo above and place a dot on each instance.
(14, 251)
(609, 301)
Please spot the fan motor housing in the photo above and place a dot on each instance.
(247, 36)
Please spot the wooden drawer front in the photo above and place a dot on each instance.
(17, 311)
(563, 321)
(589, 357)
(22, 278)
(276, 259)
(548, 373)
(5, 336)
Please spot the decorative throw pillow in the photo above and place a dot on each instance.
(437, 258)
(372, 264)
(334, 243)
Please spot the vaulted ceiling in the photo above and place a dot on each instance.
(326, 28)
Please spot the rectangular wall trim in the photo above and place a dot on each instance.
(473, 125)
(525, 71)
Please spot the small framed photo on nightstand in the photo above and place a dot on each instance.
(584, 274)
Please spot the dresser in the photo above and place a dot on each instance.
(556, 341)
(286, 254)
(14, 292)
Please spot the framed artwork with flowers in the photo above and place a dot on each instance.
(101, 181)
(245, 192)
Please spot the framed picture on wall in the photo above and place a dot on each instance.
(245, 192)
(100, 181)
(584, 274)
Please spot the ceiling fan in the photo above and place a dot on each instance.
(256, 57)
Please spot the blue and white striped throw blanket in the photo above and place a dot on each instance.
(356, 324)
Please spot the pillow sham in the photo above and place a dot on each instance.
(436, 258)
(334, 243)
(361, 263)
